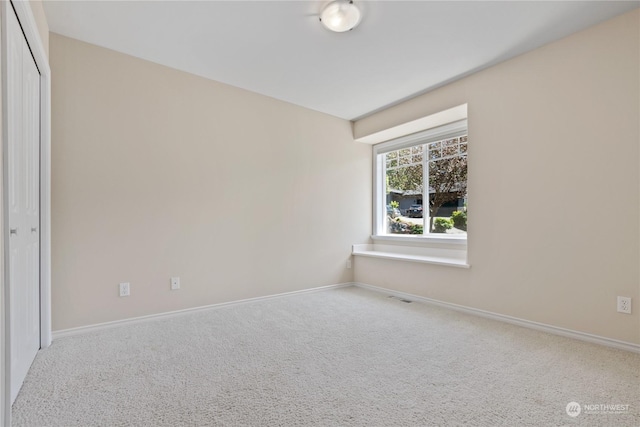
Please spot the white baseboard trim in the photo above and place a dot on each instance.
(583, 336)
(106, 325)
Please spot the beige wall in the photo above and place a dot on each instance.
(41, 22)
(553, 185)
(159, 173)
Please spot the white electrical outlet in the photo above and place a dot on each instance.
(348, 263)
(624, 305)
(175, 283)
(125, 289)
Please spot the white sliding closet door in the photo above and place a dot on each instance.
(23, 195)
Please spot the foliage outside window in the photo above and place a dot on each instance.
(439, 162)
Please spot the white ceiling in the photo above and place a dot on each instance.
(279, 48)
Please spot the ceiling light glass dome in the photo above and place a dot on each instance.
(340, 16)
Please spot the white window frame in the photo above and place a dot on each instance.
(448, 131)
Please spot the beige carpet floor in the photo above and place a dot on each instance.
(339, 357)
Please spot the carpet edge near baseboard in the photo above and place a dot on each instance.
(168, 314)
(543, 327)
(555, 330)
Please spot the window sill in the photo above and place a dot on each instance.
(439, 256)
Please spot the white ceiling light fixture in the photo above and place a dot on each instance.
(340, 16)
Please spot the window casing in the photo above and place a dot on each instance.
(400, 162)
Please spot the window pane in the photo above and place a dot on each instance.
(403, 192)
(447, 195)
(445, 210)
(450, 142)
(450, 151)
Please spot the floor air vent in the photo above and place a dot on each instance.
(400, 299)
